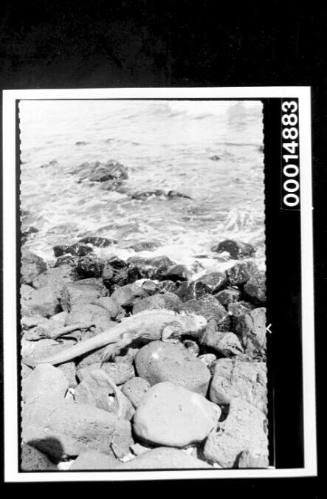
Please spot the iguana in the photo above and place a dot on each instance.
(148, 325)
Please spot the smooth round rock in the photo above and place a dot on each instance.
(159, 361)
(163, 458)
(173, 416)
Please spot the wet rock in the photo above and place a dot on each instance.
(164, 458)
(100, 172)
(135, 389)
(239, 378)
(214, 281)
(176, 273)
(241, 272)
(27, 232)
(207, 306)
(215, 157)
(97, 390)
(170, 287)
(66, 428)
(248, 459)
(45, 382)
(151, 268)
(67, 260)
(173, 416)
(119, 372)
(84, 291)
(93, 460)
(236, 249)
(76, 249)
(242, 430)
(89, 266)
(97, 241)
(159, 361)
(113, 308)
(145, 245)
(190, 290)
(227, 296)
(128, 294)
(34, 460)
(168, 301)
(159, 194)
(115, 273)
(251, 328)
(31, 266)
(255, 288)
(226, 343)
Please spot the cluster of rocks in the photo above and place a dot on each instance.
(192, 403)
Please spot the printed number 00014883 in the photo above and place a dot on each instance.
(290, 154)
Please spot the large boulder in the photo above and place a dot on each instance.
(173, 416)
(251, 328)
(83, 291)
(128, 294)
(159, 361)
(65, 428)
(239, 378)
(43, 301)
(151, 268)
(242, 430)
(207, 306)
(167, 301)
(88, 315)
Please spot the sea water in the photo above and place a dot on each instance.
(166, 145)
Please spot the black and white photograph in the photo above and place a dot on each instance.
(145, 321)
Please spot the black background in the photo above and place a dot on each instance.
(55, 44)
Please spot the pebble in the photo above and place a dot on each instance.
(159, 361)
(170, 415)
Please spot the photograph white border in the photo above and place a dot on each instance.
(11, 473)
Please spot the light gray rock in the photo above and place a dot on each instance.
(119, 372)
(248, 459)
(251, 328)
(93, 460)
(97, 390)
(159, 361)
(164, 458)
(42, 301)
(65, 428)
(89, 314)
(239, 378)
(38, 350)
(135, 389)
(168, 301)
(242, 430)
(31, 266)
(45, 382)
(83, 291)
(69, 370)
(128, 294)
(170, 415)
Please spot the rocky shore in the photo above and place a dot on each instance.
(177, 401)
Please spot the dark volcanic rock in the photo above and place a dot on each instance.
(159, 194)
(76, 249)
(214, 281)
(145, 245)
(28, 231)
(215, 157)
(99, 242)
(167, 301)
(115, 273)
(34, 460)
(89, 266)
(176, 273)
(241, 272)
(207, 306)
(227, 296)
(236, 249)
(255, 288)
(31, 266)
(190, 290)
(101, 172)
(151, 268)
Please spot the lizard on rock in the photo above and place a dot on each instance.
(148, 325)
